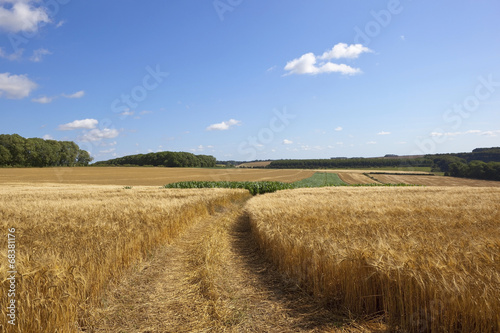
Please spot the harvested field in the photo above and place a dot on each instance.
(426, 259)
(356, 178)
(388, 170)
(434, 180)
(140, 176)
(254, 164)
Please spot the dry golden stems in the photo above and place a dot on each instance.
(429, 258)
(72, 240)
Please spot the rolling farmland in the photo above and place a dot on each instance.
(333, 259)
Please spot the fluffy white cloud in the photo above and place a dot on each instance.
(48, 137)
(79, 124)
(78, 94)
(99, 134)
(15, 86)
(371, 143)
(307, 63)
(342, 50)
(287, 142)
(383, 133)
(38, 55)
(21, 15)
(223, 126)
(43, 100)
(338, 129)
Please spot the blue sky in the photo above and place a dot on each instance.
(244, 80)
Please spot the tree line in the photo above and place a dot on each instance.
(475, 169)
(16, 151)
(350, 163)
(166, 159)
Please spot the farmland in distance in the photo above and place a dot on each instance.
(145, 176)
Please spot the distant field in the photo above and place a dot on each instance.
(389, 170)
(434, 180)
(320, 180)
(144, 176)
(356, 178)
(254, 164)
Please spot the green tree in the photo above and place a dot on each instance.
(5, 156)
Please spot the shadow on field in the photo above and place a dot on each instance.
(302, 311)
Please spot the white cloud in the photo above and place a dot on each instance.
(15, 86)
(107, 151)
(46, 99)
(38, 54)
(99, 134)
(78, 94)
(43, 100)
(127, 113)
(12, 56)
(60, 23)
(79, 124)
(287, 142)
(453, 134)
(270, 69)
(383, 133)
(48, 137)
(306, 64)
(371, 143)
(21, 15)
(145, 112)
(403, 38)
(338, 129)
(223, 126)
(342, 50)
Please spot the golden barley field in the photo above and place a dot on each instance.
(143, 176)
(425, 259)
(71, 240)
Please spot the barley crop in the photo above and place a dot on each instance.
(73, 239)
(426, 259)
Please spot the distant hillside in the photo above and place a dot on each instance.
(166, 159)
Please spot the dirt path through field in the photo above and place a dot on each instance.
(211, 279)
